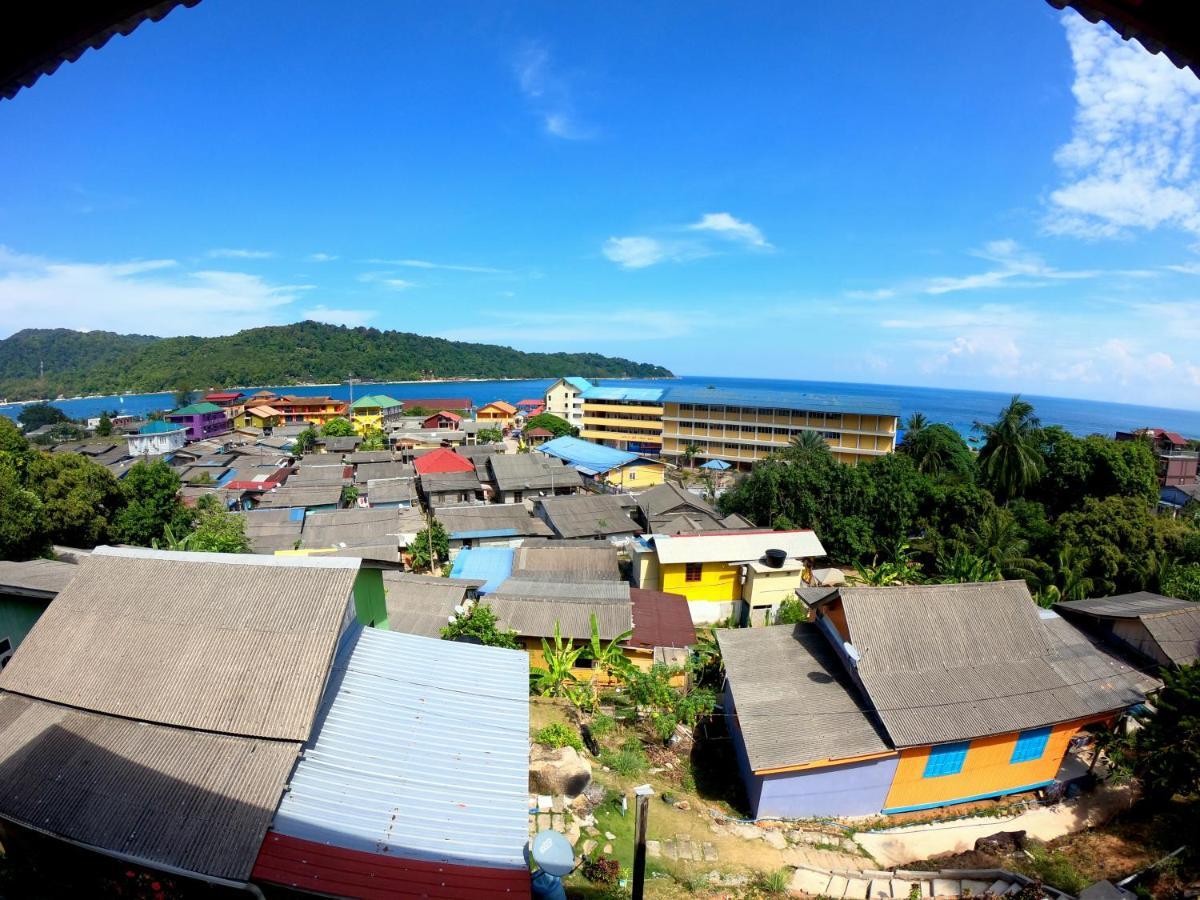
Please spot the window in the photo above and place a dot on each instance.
(693, 572)
(1030, 745)
(946, 759)
(518, 496)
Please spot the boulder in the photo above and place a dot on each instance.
(1001, 842)
(558, 771)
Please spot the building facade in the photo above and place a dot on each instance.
(1176, 464)
(368, 413)
(564, 399)
(625, 418)
(201, 420)
(294, 410)
(497, 414)
(157, 438)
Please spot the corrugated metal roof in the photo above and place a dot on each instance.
(421, 751)
(391, 490)
(371, 471)
(536, 618)
(423, 604)
(953, 662)
(531, 471)
(615, 392)
(442, 460)
(462, 520)
(35, 577)
(1177, 633)
(580, 384)
(370, 456)
(736, 546)
(795, 702)
(588, 515)
(660, 620)
(1126, 606)
(184, 798)
(566, 588)
(585, 454)
(304, 495)
(791, 400)
(238, 644)
(590, 561)
(490, 565)
(440, 482)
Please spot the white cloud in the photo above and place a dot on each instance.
(635, 252)
(1129, 163)
(725, 225)
(322, 257)
(549, 93)
(141, 296)
(877, 294)
(349, 317)
(426, 264)
(239, 253)
(387, 279)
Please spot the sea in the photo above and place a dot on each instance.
(959, 409)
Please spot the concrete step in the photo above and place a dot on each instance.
(947, 887)
(857, 889)
(809, 882)
(881, 889)
(973, 888)
(999, 887)
(902, 888)
(836, 887)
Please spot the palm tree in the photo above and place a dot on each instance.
(965, 567)
(998, 540)
(1010, 460)
(915, 423)
(689, 453)
(1072, 584)
(808, 441)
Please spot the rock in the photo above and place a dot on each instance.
(608, 835)
(742, 830)
(588, 846)
(774, 838)
(572, 833)
(607, 849)
(653, 849)
(557, 822)
(684, 805)
(558, 771)
(543, 821)
(1001, 842)
(710, 852)
(544, 803)
(591, 829)
(558, 804)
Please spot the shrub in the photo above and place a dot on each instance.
(603, 725)
(558, 735)
(1055, 869)
(629, 760)
(600, 869)
(776, 882)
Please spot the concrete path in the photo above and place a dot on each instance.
(899, 846)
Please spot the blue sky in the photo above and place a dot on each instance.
(988, 195)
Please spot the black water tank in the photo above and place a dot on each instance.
(775, 558)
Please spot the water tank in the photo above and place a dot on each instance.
(776, 558)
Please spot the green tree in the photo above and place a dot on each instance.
(1182, 581)
(36, 415)
(79, 498)
(689, 454)
(808, 441)
(349, 495)
(105, 426)
(914, 425)
(217, 530)
(429, 546)
(1113, 538)
(151, 504)
(1167, 749)
(184, 396)
(489, 436)
(1095, 466)
(554, 677)
(373, 439)
(552, 423)
(1070, 582)
(1010, 460)
(306, 440)
(21, 532)
(939, 450)
(997, 539)
(964, 566)
(337, 427)
(478, 621)
(11, 439)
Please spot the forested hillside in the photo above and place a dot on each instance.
(100, 362)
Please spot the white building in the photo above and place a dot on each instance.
(157, 438)
(564, 399)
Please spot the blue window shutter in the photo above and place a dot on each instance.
(946, 759)
(1030, 745)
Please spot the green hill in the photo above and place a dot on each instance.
(100, 362)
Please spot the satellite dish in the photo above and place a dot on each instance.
(553, 854)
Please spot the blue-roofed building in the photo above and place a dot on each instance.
(607, 466)
(743, 426)
(564, 399)
(414, 781)
(157, 438)
(491, 565)
(626, 418)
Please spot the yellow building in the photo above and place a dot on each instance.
(261, 416)
(366, 413)
(497, 414)
(564, 399)
(726, 574)
(741, 427)
(625, 418)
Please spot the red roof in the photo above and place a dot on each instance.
(539, 432)
(439, 402)
(444, 414)
(660, 620)
(223, 396)
(333, 871)
(440, 461)
(241, 485)
(530, 403)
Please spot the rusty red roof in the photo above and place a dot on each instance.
(442, 461)
(456, 403)
(660, 620)
(444, 414)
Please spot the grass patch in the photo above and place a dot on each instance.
(556, 735)
(629, 760)
(1056, 869)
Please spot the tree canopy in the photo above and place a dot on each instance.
(556, 425)
(37, 415)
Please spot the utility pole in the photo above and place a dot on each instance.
(350, 380)
(642, 795)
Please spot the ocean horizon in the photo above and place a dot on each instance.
(959, 409)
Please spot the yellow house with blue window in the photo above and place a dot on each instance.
(936, 695)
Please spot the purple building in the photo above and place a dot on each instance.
(202, 420)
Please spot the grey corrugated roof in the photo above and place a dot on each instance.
(391, 490)
(353, 528)
(584, 560)
(212, 641)
(344, 444)
(292, 495)
(421, 752)
(1177, 633)
(536, 618)
(953, 662)
(35, 577)
(668, 497)
(567, 588)
(370, 456)
(586, 515)
(1126, 606)
(190, 799)
(378, 470)
(531, 472)
(422, 604)
(440, 482)
(795, 703)
(1095, 673)
(309, 475)
(507, 517)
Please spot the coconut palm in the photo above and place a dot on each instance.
(808, 441)
(915, 423)
(689, 453)
(997, 538)
(963, 567)
(1071, 582)
(1010, 460)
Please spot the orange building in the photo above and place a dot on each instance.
(497, 414)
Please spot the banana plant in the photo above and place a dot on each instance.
(609, 657)
(554, 678)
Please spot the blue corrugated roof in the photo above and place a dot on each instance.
(158, 426)
(490, 565)
(579, 383)
(420, 751)
(606, 392)
(586, 455)
(844, 403)
(485, 533)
